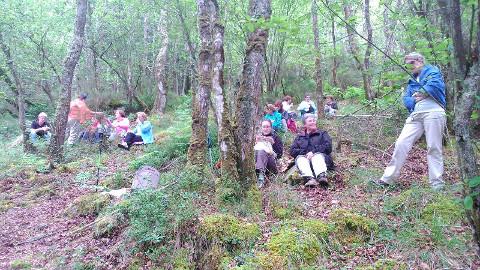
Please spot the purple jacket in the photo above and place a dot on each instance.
(316, 142)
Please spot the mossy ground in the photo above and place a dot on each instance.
(353, 225)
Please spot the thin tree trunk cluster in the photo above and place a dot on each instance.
(61, 113)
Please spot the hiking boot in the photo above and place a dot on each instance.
(261, 180)
(322, 180)
(381, 183)
(312, 183)
(123, 146)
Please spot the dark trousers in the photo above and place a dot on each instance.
(131, 138)
(265, 162)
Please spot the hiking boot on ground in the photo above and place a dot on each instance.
(322, 180)
(311, 182)
(261, 180)
(381, 183)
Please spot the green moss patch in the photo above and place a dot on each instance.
(229, 230)
(385, 265)
(107, 224)
(443, 209)
(352, 228)
(89, 204)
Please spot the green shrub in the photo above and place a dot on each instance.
(107, 224)
(117, 181)
(154, 214)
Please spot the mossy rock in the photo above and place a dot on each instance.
(443, 209)
(385, 265)
(352, 228)
(295, 245)
(20, 264)
(229, 230)
(107, 224)
(89, 204)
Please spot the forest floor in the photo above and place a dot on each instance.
(41, 228)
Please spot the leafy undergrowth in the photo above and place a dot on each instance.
(59, 219)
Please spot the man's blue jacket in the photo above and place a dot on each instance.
(430, 81)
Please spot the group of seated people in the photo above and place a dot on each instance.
(101, 127)
(311, 149)
(282, 115)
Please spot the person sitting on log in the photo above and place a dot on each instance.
(40, 128)
(268, 148)
(142, 134)
(311, 150)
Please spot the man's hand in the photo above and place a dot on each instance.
(419, 96)
(309, 155)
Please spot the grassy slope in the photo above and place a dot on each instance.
(414, 227)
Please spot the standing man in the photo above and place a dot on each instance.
(425, 100)
(79, 113)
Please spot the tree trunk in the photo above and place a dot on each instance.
(218, 65)
(464, 105)
(250, 91)
(27, 146)
(318, 61)
(63, 106)
(335, 60)
(355, 51)
(130, 90)
(160, 66)
(201, 98)
(367, 77)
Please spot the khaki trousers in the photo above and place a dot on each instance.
(317, 162)
(433, 125)
(74, 130)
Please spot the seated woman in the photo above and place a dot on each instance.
(268, 148)
(40, 128)
(311, 149)
(120, 125)
(141, 134)
(274, 117)
(330, 107)
(283, 113)
(307, 106)
(97, 129)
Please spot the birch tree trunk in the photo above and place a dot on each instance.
(335, 58)
(218, 66)
(27, 146)
(63, 106)
(201, 97)
(318, 61)
(160, 66)
(250, 92)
